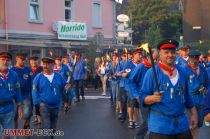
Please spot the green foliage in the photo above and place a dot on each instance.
(153, 36)
(150, 14)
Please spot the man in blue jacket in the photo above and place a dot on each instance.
(25, 76)
(167, 117)
(9, 91)
(206, 106)
(197, 83)
(79, 74)
(48, 90)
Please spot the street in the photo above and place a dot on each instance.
(95, 118)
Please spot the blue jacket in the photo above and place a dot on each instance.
(48, 93)
(173, 103)
(132, 66)
(116, 70)
(80, 70)
(206, 105)
(9, 91)
(180, 61)
(38, 70)
(136, 79)
(195, 82)
(25, 76)
(123, 65)
(65, 72)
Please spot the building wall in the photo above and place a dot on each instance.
(195, 14)
(18, 16)
(84, 15)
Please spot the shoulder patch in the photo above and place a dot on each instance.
(17, 85)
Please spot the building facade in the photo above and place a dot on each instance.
(196, 20)
(39, 27)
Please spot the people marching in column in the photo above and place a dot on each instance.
(162, 92)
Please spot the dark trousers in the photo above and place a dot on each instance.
(49, 118)
(97, 81)
(79, 84)
(185, 135)
(124, 99)
(142, 130)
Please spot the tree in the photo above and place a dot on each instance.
(150, 14)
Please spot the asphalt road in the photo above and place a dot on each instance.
(95, 118)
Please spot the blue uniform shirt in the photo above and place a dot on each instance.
(9, 91)
(136, 79)
(80, 70)
(48, 93)
(181, 61)
(132, 66)
(173, 103)
(36, 71)
(195, 82)
(65, 72)
(25, 76)
(206, 105)
(116, 71)
(123, 65)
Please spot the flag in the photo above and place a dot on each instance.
(126, 51)
(144, 46)
(75, 59)
(108, 57)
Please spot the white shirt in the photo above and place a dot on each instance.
(49, 77)
(175, 79)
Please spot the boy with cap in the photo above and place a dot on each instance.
(9, 91)
(25, 76)
(197, 84)
(167, 117)
(65, 73)
(48, 90)
(136, 79)
(132, 105)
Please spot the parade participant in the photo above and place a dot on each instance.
(122, 66)
(35, 69)
(62, 69)
(206, 105)
(167, 117)
(132, 105)
(115, 80)
(136, 79)
(197, 79)
(48, 90)
(25, 75)
(65, 73)
(79, 74)
(68, 63)
(208, 59)
(183, 57)
(9, 91)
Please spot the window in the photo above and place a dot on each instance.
(96, 16)
(34, 13)
(68, 10)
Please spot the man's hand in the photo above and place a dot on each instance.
(193, 119)
(20, 112)
(67, 87)
(156, 98)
